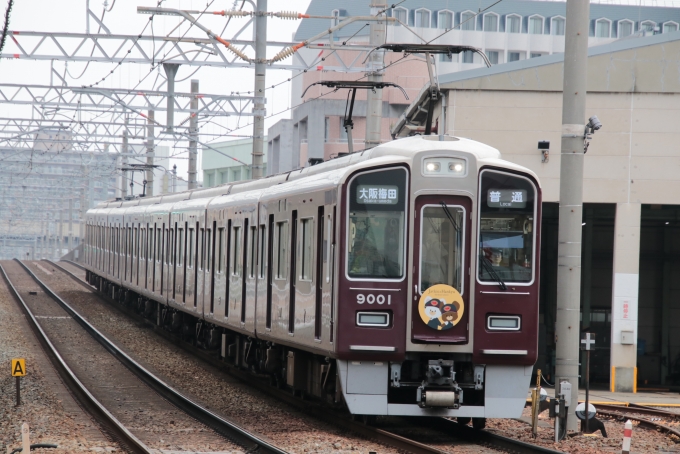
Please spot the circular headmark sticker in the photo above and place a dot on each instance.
(441, 307)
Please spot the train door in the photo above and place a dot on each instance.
(210, 265)
(440, 311)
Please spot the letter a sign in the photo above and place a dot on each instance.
(18, 367)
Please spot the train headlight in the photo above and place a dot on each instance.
(444, 167)
(433, 167)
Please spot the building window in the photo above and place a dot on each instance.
(236, 174)
(210, 180)
(492, 55)
(535, 55)
(336, 17)
(446, 58)
(467, 20)
(603, 28)
(327, 129)
(422, 18)
(491, 22)
(512, 24)
(224, 177)
(401, 14)
(647, 26)
(625, 28)
(670, 27)
(536, 25)
(445, 20)
(343, 131)
(513, 56)
(468, 56)
(557, 26)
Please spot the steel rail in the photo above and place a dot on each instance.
(644, 422)
(109, 423)
(220, 425)
(483, 437)
(379, 435)
(633, 408)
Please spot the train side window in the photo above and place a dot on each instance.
(327, 252)
(200, 252)
(307, 249)
(253, 251)
(208, 251)
(220, 242)
(282, 250)
(180, 254)
(159, 244)
(235, 263)
(135, 242)
(190, 245)
(263, 246)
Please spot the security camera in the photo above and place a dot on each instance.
(594, 123)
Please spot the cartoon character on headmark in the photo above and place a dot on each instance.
(433, 312)
(449, 315)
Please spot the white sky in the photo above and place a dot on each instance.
(69, 16)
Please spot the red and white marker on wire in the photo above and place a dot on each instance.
(627, 434)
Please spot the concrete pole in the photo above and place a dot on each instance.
(571, 200)
(149, 153)
(60, 240)
(124, 179)
(170, 72)
(260, 74)
(70, 223)
(374, 66)
(193, 132)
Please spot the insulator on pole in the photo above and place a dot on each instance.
(290, 15)
(232, 48)
(234, 13)
(287, 52)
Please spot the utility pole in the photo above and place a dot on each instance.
(374, 67)
(170, 72)
(149, 153)
(193, 133)
(124, 150)
(70, 223)
(260, 73)
(571, 200)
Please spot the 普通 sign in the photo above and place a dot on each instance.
(507, 198)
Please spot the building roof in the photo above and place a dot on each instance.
(633, 65)
(645, 64)
(547, 9)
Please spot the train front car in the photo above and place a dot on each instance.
(438, 282)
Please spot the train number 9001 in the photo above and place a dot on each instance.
(373, 299)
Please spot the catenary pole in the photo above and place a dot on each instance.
(571, 200)
(374, 66)
(149, 152)
(124, 151)
(193, 132)
(260, 73)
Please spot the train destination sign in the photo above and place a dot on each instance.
(377, 194)
(507, 198)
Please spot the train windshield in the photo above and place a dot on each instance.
(506, 228)
(375, 238)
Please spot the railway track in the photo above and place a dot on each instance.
(133, 406)
(386, 436)
(634, 412)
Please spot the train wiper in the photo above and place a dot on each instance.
(488, 267)
(448, 215)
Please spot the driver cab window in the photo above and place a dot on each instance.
(506, 228)
(375, 237)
